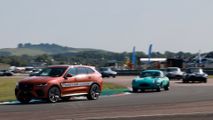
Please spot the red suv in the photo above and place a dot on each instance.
(60, 82)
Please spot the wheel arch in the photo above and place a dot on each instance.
(95, 84)
(54, 85)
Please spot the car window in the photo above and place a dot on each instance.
(53, 72)
(81, 70)
(89, 70)
(193, 70)
(72, 71)
(162, 74)
(103, 69)
(150, 74)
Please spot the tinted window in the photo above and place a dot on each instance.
(89, 70)
(194, 70)
(150, 74)
(103, 69)
(53, 72)
(82, 70)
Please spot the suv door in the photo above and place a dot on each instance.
(69, 84)
(83, 79)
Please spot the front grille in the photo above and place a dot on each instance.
(144, 85)
(25, 86)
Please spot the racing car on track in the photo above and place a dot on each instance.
(150, 79)
(195, 74)
(174, 73)
(107, 72)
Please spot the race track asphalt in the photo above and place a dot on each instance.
(187, 101)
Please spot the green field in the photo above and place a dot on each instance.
(7, 87)
(210, 76)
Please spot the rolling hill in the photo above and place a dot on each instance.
(43, 48)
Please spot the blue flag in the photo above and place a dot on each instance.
(133, 56)
(150, 53)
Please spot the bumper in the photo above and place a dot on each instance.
(145, 86)
(36, 93)
(195, 78)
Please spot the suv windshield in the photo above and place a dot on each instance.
(53, 72)
(150, 74)
(193, 70)
(104, 69)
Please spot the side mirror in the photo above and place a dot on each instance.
(67, 76)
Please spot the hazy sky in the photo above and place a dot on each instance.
(115, 25)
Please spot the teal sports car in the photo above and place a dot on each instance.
(150, 79)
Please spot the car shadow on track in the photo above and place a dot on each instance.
(193, 82)
(36, 102)
(147, 91)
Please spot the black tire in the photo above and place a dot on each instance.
(205, 80)
(142, 90)
(54, 94)
(134, 90)
(185, 81)
(94, 92)
(158, 89)
(24, 100)
(166, 88)
(161, 86)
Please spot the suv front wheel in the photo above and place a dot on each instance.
(54, 94)
(24, 100)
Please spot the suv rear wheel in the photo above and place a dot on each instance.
(94, 92)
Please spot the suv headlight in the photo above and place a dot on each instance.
(156, 82)
(41, 84)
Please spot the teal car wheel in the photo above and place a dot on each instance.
(134, 90)
(166, 87)
(142, 90)
(158, 89)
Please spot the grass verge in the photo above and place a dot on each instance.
(210, 76)
(110, 89)
(7, 87)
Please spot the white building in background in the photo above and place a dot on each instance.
(154, 62)
(153, 59)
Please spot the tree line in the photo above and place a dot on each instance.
(93, 57)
